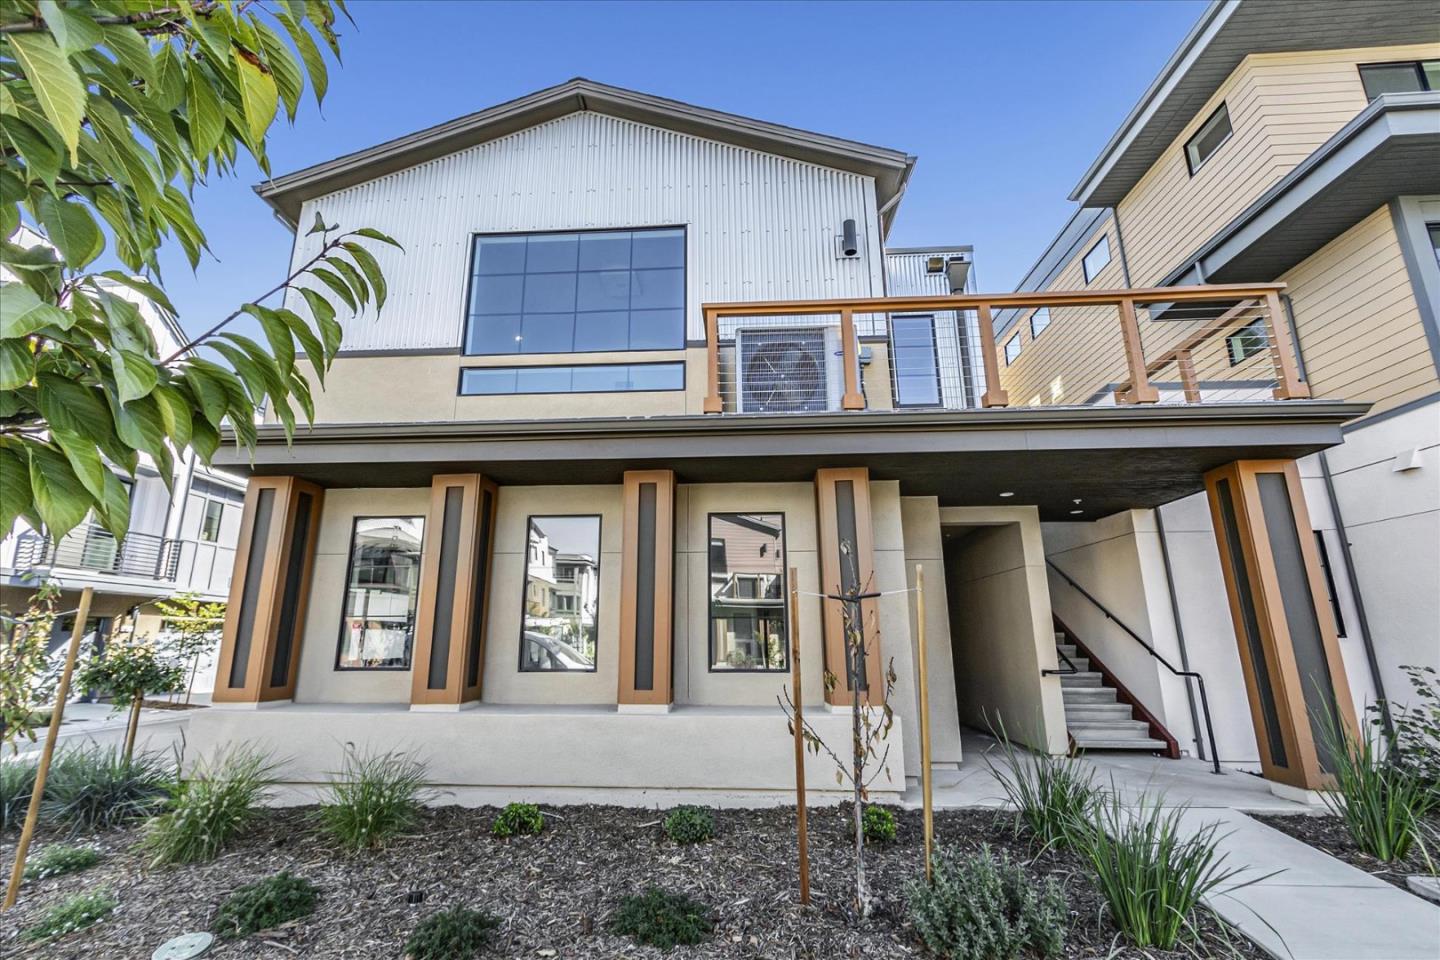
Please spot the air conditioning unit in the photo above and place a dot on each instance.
(788, 370)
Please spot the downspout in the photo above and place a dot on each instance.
(1125, 271)
(1179, 632)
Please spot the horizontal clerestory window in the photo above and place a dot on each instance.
(1413, 76)
(572, 378)
(377, 629)
(577, 292)
(748, 623)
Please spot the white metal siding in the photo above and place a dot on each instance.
(759, 227)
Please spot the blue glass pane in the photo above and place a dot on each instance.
(658, 248)
(498, 334)
(603, 377)
(499, 255)
(542, 380)
(657, 288)
(550, 293)
(605, 251)
(657, 329)
(497, 294)
(657, 376)
(547, 333)
(487, 382)
(609, 290)
(552, 253)
(602, 331)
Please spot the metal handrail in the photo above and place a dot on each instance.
(1068, 670)
(1188, 674)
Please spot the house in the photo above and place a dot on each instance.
(181, 538)
(1297, 144)
(667, 348)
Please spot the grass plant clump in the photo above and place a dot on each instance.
(982, 907)
(1053, 797)
(265, 905)
(17, 782)
(58, 859)
(659, 918)
(518, 819)
(73, 913)
(96, 788)
(1382, 793)
(688, 823)
(373, 798)
(211, 808)
(455, 934)
(879, 824)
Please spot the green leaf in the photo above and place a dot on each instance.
(371, 268)
(143, 287)
(278, 334)
(22, 313)
(168, 90)
(314, 349)
(60, 498)
(249, 373)
(71, 227)
(204, 440)
(17, 364)
(318, 227)
(42, 158)
(15, 496)
(204, 113)
(334, 282)
(353, 278)
(73, 31)
(373, 234)
(84, 460)
(56, 85)
(208, 389)
(135, 374)
(288, 79)
(309, 55)
(113, 507)
(174, 413)
(132, 51)
(73, 407)
(258, 95)
(324, 314)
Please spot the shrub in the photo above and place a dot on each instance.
(210, 808)
(661, 919)
(57, 859)
(1381, 796)
(978, 907)
(517, 819)
(1415, 744)
(455, 934)
(17, 782)
(97, 787)
(73, 913)
(374, 797)
(879, 824)
(1151, 874)
(128, 670)
(264, 905)
(1053, 797)
(688, 823)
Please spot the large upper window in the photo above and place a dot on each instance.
(560, 625)
(1207, 139)
(1405, 77)
(577, 292)
(1097, 259)
(747, 592)
(377, 630)
(917, 366)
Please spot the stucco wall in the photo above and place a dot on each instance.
(923, 548)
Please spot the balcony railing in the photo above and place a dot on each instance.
(1184, 345)
(91, 547)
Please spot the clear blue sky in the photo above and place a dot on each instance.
(1005, 103)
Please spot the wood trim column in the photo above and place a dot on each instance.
(1141, 391)
(269, 591)
(455, 571)
(842, 501)
(995, 395)
(1289, 651)
(852, 399)
(647, 589)
(1288, 384)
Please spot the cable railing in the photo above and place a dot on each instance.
(1182, 345)
(92, 547)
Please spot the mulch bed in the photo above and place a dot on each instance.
(1328, 834)
(555, 891)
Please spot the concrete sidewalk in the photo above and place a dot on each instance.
(100, 723)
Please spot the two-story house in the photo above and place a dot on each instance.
(1295, 143)
(667, 348)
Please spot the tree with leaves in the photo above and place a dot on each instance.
(192, 628)
(24, 684)
(111, 112)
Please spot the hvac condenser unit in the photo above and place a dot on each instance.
(788, 370)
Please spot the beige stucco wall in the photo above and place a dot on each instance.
(923, 549)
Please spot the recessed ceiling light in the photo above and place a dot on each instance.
(1073, 512)
(1007, 493)
(1076, 500)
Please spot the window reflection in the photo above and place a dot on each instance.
(378, 628)
(562, 594)
(747, 592)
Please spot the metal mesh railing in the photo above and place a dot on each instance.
(92, 547)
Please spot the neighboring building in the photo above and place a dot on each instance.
(667, 348)
(181, 539)
(1297, 143)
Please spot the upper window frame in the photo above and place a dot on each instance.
(1019, 348)
(1417, 65)
(784, 591)
(1193, 165)
(1104, 241)
(1035, 334)
(934, 353)
(525, 587)
(345, 590)
(469, 279)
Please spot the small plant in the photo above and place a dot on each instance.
(658, 918)
(455, 934)
(73, 913)
(211, 808)
(17, 782)
(1381, 796)
(25, 681)
(95, 787)
(1150, 872)
(688, 823)
(127, 671)
(1053, 797)
(265, 905)
(1415, 742)
(373, 798)
(980, 907)
(58, 859)
(879, 824)
(518, 819)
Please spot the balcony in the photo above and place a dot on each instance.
(1171, 345)
(92, 547)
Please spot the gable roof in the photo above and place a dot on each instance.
(890, 168)
(1226, 33)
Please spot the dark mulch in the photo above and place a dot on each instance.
(1328, 833)
(556, 891)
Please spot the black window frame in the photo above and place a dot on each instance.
(1258, 326)
(525, 587)
(1417, 65)
(1193, 165)
(934, 354)
(345, 591)
(784, 593)
(1432, 230)
(461, 392)
(470, 275)
(1035, 334)
(205, 520)
(1085, 260)
(1324, 556)
(1019, 348)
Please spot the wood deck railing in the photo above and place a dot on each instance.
(1206, 312)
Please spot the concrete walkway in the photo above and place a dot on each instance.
(85, 723)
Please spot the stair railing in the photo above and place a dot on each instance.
(1185, 674)
(1066, 671)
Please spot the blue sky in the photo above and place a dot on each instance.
(1005, 103)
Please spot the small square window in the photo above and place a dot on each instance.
(1097, 259)
(1012, 349)
(1207, 139)
(1247, 341)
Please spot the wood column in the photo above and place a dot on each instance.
(1288, 385)
(852, 399)
(269, 588)
(1289, 653)
(995, 395)
(847, 565)
(647, 589)
(1140, 390)
(449, 657)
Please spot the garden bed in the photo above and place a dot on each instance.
(1328, 834)
(556, 891)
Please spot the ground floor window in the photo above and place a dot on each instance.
(377, 631)
(748, 627)
(560, 622)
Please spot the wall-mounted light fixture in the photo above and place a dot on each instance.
(847, 245)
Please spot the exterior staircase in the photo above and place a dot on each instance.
(1095, 713)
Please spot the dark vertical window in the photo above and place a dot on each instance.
(748, 623)
(377, 628)
(482, 586)
(290, 595)
(250, 594)
(210, 523)
(916, 361)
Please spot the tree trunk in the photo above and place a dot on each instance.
(857, 779)
(134, 726)
(194, 668)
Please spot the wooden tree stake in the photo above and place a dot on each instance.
(802, 827)
(929, 805)
(61, 694)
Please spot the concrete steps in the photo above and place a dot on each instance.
(1095, 717)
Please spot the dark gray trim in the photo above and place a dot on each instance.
(483, 560)
(1419, 271)
(934, 251)
(1195, 727)
(1124, 265)
(290, 594)
(645, 587)
(1406, 407)
(438, 670)
(250, 594)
